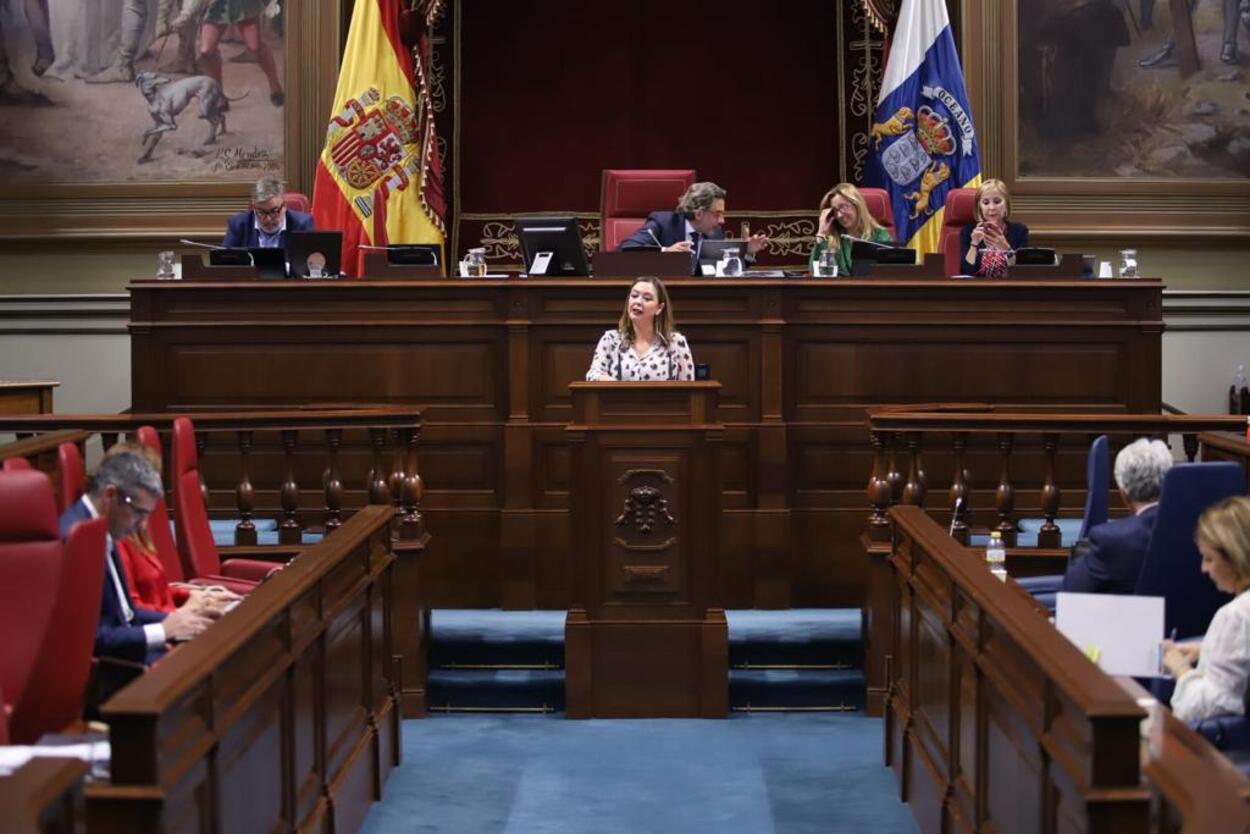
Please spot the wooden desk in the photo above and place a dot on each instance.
(282, 716)
(26, 396)
(800, 362)
(43, 796)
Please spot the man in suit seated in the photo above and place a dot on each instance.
(700, 216)
(125, 490)
(266, 223)
(1111, 562)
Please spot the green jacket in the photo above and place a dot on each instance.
(844, 250)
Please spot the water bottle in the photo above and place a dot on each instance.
(996, 555)
(1234, 392)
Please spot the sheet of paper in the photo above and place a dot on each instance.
(1122, 634)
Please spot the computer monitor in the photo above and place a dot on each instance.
(415, 254)
(322, 250)
(711, 251)
(268, 262)
(865, 253)
(1035, 256)
(551, 245)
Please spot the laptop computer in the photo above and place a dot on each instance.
(322, 251)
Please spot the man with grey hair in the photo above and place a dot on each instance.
(700, 216)
(125, 489)
(1112, 561)
(266, 223)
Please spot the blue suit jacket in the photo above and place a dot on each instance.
(241, 228)
(1113, 561)
(114, 637)
(669, 227)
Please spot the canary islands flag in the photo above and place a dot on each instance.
(923, 140)
(379, 178)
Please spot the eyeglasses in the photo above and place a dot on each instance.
(140, 513)
(268, 212)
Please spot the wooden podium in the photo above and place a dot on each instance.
(645, 635)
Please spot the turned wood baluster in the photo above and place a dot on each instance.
(1050, 535)
(379, 491)
(1006, 494)
(894, 477)
(334, 486)
(395, 482)
(878, 491)
(1190, 442)
(245, 496)
(961, 490)
(289, 531)
(412, 525)
(917, 482)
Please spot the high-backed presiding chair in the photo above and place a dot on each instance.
(296, 201)
(73, 475)
(878, 202)
(31, 557)
(629, 195)
(960, 210)
(200, 558)
(1172, 566)
(57, 687)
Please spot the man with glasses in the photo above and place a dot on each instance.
(266, 223)
(700, 216)
(125, 490)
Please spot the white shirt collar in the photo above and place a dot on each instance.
(1145, 507)
(689, 230)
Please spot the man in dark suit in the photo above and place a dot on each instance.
(700, 216)
(125, 490)
(268, 220)
(1111, 562)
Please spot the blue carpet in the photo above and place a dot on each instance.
(775, 774)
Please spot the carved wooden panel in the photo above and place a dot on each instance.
(645, 527)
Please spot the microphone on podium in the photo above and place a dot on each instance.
(186, 242)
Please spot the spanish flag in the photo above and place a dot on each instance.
(379, 178)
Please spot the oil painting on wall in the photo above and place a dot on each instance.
(1101, 91)
(141, 91)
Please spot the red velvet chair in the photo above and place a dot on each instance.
(296, 201)
(200, 558)
(629, 195)
(17, 464)
(73, 475)
(163, 538)
(4, 719)
(878, 202)
(57, 688)
(31, 556)
(959, 212)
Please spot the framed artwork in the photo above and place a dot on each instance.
(150, 118)
(1085, 110)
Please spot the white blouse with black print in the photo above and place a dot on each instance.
(614, 359)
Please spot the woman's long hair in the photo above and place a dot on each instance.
(865, 225)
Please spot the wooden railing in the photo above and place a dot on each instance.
(43, 796)
(257, 463)
(904, 439)
(238, 447)
(282, 716)
(996, 722)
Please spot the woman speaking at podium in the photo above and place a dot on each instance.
(644, 344)
(844, 216)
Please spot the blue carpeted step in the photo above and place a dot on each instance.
(494, 637)
(805, 689)
(494, 689)
(796, 637)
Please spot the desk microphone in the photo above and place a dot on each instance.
(647, 229)
(201, 245)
